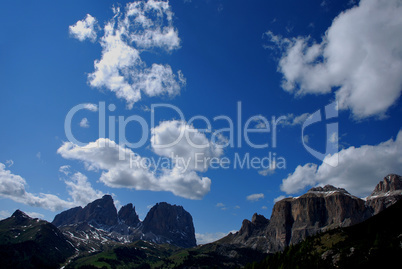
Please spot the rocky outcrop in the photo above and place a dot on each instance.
(319, 210)
(67, 217)
(386, 193)
(99, 213)
(99, 222)
(128, 216)
(171, 224)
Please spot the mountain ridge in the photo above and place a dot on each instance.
(100, 222)
(320, 209)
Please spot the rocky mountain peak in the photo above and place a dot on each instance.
(386, 193)
(327, 189)
(390, 183)
(128, 216)
(171, 223)
(100, 212)
(20, 215)
(259, 220)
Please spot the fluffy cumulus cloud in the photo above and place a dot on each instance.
(84, 29)
(189, 147)
(142, 25)
(121, 167)
(359, 169)
(360, 57)
(14, 187)
(80, 189)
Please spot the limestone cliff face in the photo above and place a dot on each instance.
(386, 193)
(320, 209)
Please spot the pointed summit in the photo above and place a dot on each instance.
(128, 216)
(20, 215)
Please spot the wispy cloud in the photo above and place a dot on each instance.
(293, 120)
(84, 123)
(9, 163)
(277, 199)
(255, 197)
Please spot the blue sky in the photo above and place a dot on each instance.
(207, 59)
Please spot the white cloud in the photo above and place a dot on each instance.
(35, 215)
(142, 26)
(84, 123)
(65, 169)
(360, 57)
(148, 33)
(9, 163)
(269, 171)
(255, 197)
(81, 190)
(220, 205)
(293, 120)
(277, 199)
(184, 141)
(210, 237)
(117, 172)
(13, 187)
(358, 171)
(84, 29)
(91, 107)
(264, 207)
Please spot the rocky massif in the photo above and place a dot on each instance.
(386, 193)
(319, 210)
(100, 223)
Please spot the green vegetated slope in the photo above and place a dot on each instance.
(143, 254)
(31, 243)
(374, 243)
(140, 254)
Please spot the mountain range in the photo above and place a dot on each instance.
(98, 235)
(99, 222)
